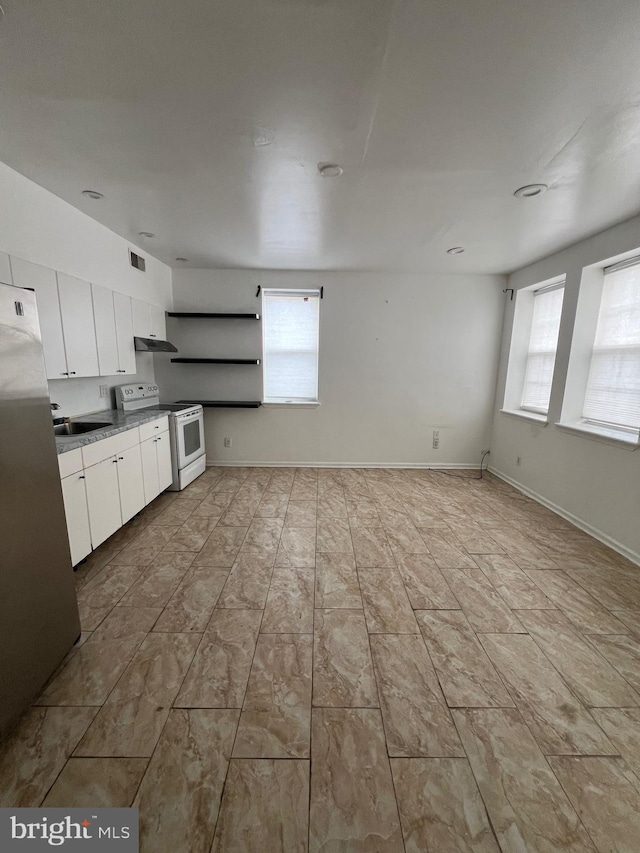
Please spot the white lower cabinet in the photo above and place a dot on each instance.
(165, 471)
(130, 482)
(103, 500)
(156, 465)
(74, 495)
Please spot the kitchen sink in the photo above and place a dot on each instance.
(80, 427)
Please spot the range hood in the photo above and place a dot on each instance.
(153, 345)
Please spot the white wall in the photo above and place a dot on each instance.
(594, 483)
(400, 355)
(38, 226)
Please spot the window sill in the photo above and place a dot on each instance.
(541, 420)
(292, 405)
(607, 436)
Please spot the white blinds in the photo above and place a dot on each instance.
(613, 387)
(541, 356)
(290, 345)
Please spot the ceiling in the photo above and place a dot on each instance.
(203, 121)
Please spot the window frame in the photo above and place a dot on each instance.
(537, 293)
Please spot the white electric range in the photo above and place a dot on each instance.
(186, 428)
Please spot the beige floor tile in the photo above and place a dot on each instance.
(522, 550)
(466, 674)
(560, 724)
(386, 606)
(606, 795)
(301, 514)
(36, 750)
(265, 807)
(98, 597)
(334, 536)
(622, 725)
(630, 619)
(191, 605)
(425, 584)
(97, 783)
(581, 609)
(516, 589)
(192, 535)
(222, 546)
(474, 538)
(444, 551)
(93, 565)
(353, 805)
(248, 583)
(362, 510)
(342, 669)
(289, 607)
(297, 548)
(337, 581)
(276, 714)
(187, 771)
(263, 536)
(158, 582)
(483, 607)
(441, 810)
(214, 505)
(527, 807)
(332, 505)
(417, 721)
(304, 492)
(145, 546)
(594, 681)
(273, 505)
(218, 675)
(93, 671)
(623, 653)
(176, 513)
(613, 588)
(370, 545)
(402, 533)
(130, 722)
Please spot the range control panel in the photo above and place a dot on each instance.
(140, 391)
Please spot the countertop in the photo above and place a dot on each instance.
(119, 421)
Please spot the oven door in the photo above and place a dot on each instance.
(189, 437)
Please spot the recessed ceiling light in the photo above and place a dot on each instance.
(330, 170)
(531, 190)
(456, 250)
(182, 260)
(145, 234)
(92, 194)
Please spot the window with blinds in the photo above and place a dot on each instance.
(613, 388)
(290, 329)
(541, 354)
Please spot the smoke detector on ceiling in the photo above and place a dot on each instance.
(330, 170)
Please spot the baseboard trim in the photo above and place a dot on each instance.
(569, 516)
(216, 463)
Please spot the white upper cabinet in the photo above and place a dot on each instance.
(5, 269)
(76, 307)
(43, 282)
(105, 320)
(148, 321)
(124, 333)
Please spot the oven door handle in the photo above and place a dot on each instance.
(185, 419)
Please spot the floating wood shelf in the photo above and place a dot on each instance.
(225, 404)
(216, 360)
(217, 316)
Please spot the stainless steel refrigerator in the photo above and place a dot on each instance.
(39, 619)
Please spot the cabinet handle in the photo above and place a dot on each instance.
(64, 374)
(81, 477)
(152, 336)
(120, 458)
(72, 372)
(115, 461)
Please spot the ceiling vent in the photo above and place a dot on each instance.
(137, 261)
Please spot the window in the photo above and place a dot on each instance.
(541, 353)
(612, 397)
(291, 320)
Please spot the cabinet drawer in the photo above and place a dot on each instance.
(153, 428)
(70, 462)
(99, 450)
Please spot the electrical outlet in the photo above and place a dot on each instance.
(104, 390)
(436, 439)
(227, 442)
(518, 461)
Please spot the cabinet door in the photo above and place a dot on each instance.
(141, 318)
(105, 322)
(5, 269)
(158, 323)
(130, 482)
(76, 307)
(103, 500)
(43, 281)
(75, 507)
(124, 333)
(165, 472)
(150, 470)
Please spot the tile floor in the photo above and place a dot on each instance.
(347, 660)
